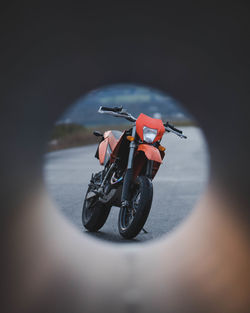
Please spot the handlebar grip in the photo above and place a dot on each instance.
(115, 109)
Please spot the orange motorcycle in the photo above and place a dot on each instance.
(131, 160)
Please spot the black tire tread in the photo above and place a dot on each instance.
(142, 212)
(98, 218)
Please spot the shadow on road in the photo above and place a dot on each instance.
(111, 237)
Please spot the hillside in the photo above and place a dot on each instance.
(136, 99)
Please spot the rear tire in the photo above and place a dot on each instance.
(94, 213)
(131, 222)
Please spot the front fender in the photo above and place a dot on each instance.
(151, 152)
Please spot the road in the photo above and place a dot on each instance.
(177, 186)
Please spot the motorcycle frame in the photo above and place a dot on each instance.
(108, 150)
(151, 157)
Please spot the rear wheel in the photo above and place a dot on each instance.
(94, 212)
(132, 219)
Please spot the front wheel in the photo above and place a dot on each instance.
(132, 219)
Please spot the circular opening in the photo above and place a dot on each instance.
(73, 157)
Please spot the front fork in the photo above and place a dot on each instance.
(149, 169)
(125, 198)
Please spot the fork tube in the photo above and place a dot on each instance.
(149, 169)
(129, 173)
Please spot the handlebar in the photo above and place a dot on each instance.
(120, 112)
(115, 109)
(176, 131)
(117, 112)
(172, 127)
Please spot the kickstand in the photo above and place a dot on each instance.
(144, 230)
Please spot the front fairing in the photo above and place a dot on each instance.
(149, 122)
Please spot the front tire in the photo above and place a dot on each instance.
(94, 213)
(132, 220)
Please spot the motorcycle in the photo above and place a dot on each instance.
(131, 159)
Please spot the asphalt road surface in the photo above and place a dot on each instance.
(177, 186)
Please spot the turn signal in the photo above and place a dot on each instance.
(161, 148)
(130, 138)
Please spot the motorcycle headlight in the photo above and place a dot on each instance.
(149, 134)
